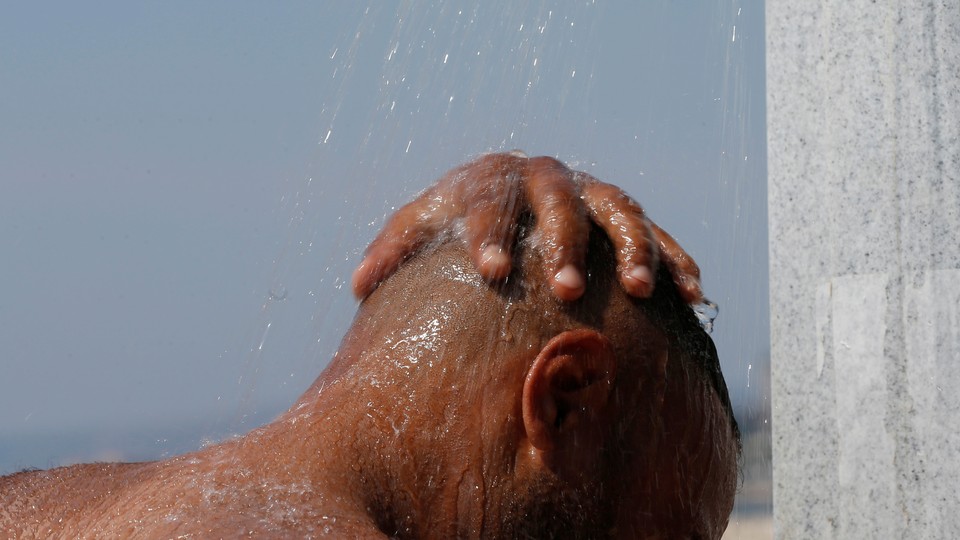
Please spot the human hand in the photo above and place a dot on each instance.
(489, 193)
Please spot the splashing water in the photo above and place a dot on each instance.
(416, 89)
(706, 312)
(659, 98)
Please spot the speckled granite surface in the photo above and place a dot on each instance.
(863, 102)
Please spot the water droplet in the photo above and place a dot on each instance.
(706, 312)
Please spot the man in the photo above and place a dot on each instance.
(453, 408)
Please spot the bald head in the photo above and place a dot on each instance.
(453, 408)
(636, 432)
(437, 306)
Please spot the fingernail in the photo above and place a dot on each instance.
(639, 280)
(495, 263)
(358, 284)
(694, 289)
(569, 278)
(358, 281)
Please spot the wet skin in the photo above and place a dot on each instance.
(487, 195)
(457, 404)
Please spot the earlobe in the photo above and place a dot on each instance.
(567, 390)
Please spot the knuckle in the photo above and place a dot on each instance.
(546, 163)
(500, 162)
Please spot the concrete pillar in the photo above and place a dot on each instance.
(863, 112)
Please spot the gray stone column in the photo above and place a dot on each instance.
(863, 115)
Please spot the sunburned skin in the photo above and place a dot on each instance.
(454, 407)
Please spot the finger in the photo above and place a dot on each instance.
(405, 231)
(561, 221)
(419, 222)
(685, 272)
(491, 219)
(628, 229)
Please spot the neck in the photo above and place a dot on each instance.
(360, 440)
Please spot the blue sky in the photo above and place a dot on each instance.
(164, 166)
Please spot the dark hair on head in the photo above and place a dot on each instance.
(677, 319)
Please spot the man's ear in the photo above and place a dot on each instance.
(566, 392)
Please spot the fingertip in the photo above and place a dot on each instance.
(494, 263)
(638, 281)
(691, 290)
(360, 280)
(568, 283)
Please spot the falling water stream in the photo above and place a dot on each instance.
(663, 99)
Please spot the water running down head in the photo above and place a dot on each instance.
(604, 415)
(456, 408)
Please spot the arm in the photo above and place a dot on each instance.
(489, 193)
